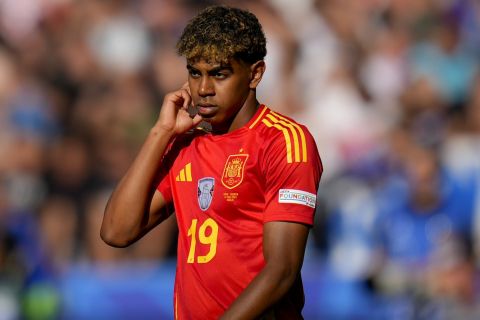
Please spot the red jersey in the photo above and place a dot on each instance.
(224, 188)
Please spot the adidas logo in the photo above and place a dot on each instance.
(185, 174)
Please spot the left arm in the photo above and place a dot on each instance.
(283, 249)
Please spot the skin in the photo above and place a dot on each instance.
(224, 95)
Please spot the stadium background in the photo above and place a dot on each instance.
(389, 88)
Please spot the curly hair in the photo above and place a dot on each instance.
(220, 33)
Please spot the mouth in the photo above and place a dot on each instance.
(206, 110)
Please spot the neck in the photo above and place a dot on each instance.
(241, 118)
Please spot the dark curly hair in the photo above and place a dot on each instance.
(219, 33)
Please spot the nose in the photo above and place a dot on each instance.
(206, 87)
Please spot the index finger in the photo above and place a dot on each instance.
(186, 86)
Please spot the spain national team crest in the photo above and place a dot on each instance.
(234, 170)
(205, 192)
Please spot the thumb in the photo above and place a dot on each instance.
(196, 120)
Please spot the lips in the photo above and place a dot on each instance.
(206, 110)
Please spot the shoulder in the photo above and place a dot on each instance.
(183, 141)
(271, 123)
(189, 136)
(282, 132)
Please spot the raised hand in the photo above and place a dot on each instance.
(174, 116)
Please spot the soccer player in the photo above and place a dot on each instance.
(243, 192)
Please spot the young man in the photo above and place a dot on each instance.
(244, 193)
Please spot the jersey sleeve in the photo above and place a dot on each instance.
(175, 148)
(163, 182)
(292, 170)
(164, 187)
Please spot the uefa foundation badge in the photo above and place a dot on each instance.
(297, 196)
(205, 192)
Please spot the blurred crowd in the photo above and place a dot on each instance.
(390, 89)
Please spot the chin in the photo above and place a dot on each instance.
(210, 118)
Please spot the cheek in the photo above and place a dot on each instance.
(233, 92)
(228, 99)
(195, 96)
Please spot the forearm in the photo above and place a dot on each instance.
(268, 287)
(127, 212)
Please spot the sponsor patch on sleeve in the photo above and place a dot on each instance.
(297, 196)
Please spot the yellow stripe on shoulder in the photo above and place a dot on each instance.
(296, 145)
(293, 125)
(259, 117)
(288, 142)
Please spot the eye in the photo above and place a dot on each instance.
(194, 73)
(220, 75)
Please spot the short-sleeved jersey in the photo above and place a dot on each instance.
(224, 188)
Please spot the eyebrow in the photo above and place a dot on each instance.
(214, 69)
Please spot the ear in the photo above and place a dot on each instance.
(257, 69)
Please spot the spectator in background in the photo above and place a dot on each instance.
(446, 62)
(425, 232)
(56, 245)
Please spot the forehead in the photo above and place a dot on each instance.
(204, 64)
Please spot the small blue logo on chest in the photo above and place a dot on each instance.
(205, 192)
